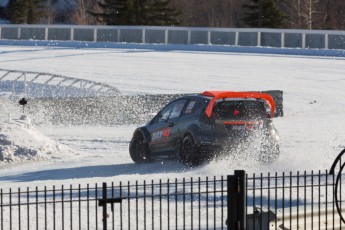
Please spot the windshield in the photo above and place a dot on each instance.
(240, 110)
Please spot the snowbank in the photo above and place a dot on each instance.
(20, 141)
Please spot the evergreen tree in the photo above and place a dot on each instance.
(161, 13)
(3, 13)
(112, 12)
(136, 12)
(264, 14)
(26, 11)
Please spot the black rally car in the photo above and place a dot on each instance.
(195, 128)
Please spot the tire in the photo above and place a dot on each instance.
(189, 153)
(139, 149)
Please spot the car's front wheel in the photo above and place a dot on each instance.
(139, 149)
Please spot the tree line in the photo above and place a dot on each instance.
(288, 14)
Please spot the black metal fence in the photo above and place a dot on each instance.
(171, 204)
(272, 201)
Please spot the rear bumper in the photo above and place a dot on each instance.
(225, 141)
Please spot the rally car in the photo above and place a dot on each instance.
(195, 128)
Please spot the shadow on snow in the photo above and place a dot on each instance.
(97, 171)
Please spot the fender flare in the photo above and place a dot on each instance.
(143, 130)
(192, 131)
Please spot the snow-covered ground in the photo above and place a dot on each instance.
(312, 130)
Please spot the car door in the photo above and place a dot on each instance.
(159, 131)
(163, 129)
(176, 124)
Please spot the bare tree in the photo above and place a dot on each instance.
(306, 14)
(49, 10)
(80, 13)
(310, 11)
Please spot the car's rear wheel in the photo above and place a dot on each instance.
(139, 149)
(189, 153)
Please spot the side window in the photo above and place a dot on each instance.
(163, 115)
(177, 109)
(174, 110)
(191, 107)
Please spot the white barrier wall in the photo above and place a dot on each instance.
(314, 39)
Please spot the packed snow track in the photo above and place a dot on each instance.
(312, 129)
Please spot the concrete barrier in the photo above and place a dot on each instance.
(281, 38)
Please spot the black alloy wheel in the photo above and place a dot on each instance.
(139, 149)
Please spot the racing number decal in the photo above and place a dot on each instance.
(160, 135)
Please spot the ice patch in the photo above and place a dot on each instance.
(21, 141)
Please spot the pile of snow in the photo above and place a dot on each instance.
(20, 141)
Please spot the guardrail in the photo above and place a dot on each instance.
(39, 84)
(313, 39)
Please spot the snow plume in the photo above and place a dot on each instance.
(114, 110)
(20, 141)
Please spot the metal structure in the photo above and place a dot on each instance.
(38, 85)
(337, 168)
(279, 38)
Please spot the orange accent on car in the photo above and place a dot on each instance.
(228, 94)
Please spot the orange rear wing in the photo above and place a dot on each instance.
(216, 95)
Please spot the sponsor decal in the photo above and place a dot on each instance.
(166, 132)
(160, 134)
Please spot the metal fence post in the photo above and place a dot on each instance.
(104, 197)
(241, 199)
(103, 203)
(232, 202)
(236, 201)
